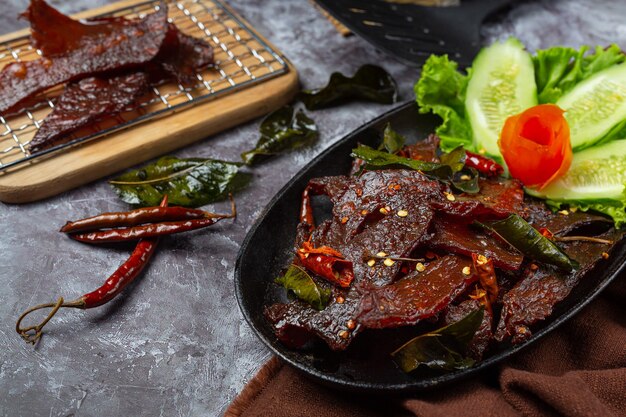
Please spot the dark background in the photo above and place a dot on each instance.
(175, 343)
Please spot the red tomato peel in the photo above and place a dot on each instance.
(536, 145)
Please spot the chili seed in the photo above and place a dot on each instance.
(482, 151)
(605, 255)
(371, 262)
(351, 324)
(340, 299)
(481, 260)
(467, 270)
(389, 262)
(403, 213)
(564, 212)
(364, 212)
(381, 254)
(450, 196)
(533, 267)
(419, 267)
(465, 177)
(383, 210)
(344, 220)
(344, 334)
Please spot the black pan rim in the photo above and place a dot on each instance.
(418, 385)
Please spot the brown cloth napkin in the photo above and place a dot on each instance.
(577, 370)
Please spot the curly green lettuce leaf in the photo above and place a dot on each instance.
(559, 69)
(441, 91)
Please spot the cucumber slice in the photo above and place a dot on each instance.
(595, 105)
(502, 84)
(597, 173)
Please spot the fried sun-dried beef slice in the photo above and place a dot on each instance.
(424, 150)
(107, 45)
(483, 336)
(534, 296)
(294, 323)
(563, 224)
(359, 229)
(86, 102)
(459, 237)
(497, 198)
(417, 296)
(181, 56)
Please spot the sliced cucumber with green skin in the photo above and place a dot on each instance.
(502, 84)
(595, 105)
(597, 173)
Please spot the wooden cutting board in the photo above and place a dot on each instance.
(71, 167)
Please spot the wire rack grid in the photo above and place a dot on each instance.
(242, 59)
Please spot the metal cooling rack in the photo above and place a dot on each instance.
(242, 59)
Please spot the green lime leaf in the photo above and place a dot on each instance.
(298, 281)
(526, 239)
(443, 349)
(369, 83)
(282, 130)
(190, 182)
(392, 140)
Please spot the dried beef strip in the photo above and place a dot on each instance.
(86, 102)
(459, 237)
(181, 56)
(417, 296)
(296, 323)
(95, 47)
(497, 198)
(534, 296)
(423, 150)
(483, 336)
(359, 229)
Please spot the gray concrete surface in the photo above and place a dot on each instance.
(175, 344)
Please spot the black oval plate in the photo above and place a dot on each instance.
(366, 365)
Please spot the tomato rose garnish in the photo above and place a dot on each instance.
(536, 145)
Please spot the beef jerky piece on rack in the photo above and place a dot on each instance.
(83, 49)
(417, 296)
(534, 296)
(483, 336)
(87, 102)
(380, 211)
(181, 56)
(459, 237)
(296, 323)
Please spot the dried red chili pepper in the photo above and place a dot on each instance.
(482, 164)
(153, 229)
(487, 277)
(135, 218)
(123, 276)
(327, 263)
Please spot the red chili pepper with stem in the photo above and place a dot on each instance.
(152, 230)
(135, 218)
(482, 164)
(123, 276)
